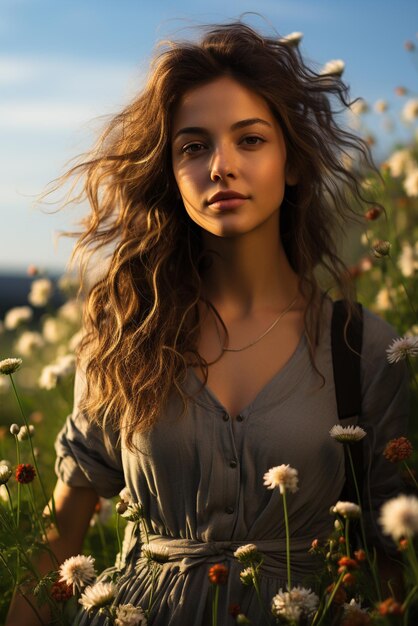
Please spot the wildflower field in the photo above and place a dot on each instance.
(36, 391)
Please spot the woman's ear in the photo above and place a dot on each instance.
(291, 176)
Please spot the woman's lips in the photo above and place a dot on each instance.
(226, 204)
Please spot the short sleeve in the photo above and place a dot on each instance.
(83, 460)
(385, 409)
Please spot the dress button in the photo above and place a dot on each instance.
(229, 510)
(233, 463)
(239, 418)
(225, 417)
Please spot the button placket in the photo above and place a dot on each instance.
(230, 455)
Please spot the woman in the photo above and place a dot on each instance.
(207, 356)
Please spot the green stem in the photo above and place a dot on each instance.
(118, 535)
(31, 446)
(363, 532)
(9, 495)
(286, 523)
(411, 474)
(412, 558)
(258, 593)
(330, 599)
(347, 537)
(215, 603)
(18, 484)
(103, 541)
(409, 597)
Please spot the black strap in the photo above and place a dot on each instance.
(346, 355)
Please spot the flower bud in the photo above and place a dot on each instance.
(14, 429)
(121, 507)
(373, 213)
(381, 248)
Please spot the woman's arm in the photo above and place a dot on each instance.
(74, 509)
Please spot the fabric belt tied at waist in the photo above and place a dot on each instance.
(191, 553)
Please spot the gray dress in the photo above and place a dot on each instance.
(200, 478)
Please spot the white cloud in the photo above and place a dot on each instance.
(44, 116)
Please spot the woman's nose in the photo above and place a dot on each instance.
(223, 164)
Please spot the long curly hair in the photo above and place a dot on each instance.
(141, 317)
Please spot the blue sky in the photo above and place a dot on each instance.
(63, 64)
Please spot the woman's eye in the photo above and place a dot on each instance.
(252, 140)
(192, 148)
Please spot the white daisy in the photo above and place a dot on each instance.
(97, 596)
(335, 68)
(410, 184)
(16, 316)
(40, 292)
(78, 571)
(246, 553)
(130, 615)
(294, 604)
(347, 434)
(347, 509)
(10, 366)
(5, 473)
(399, 517)
(247, 576)
(410, 110)
(401, 348)
(292, 39)
(282, 476)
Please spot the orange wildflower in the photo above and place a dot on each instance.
(60, 591)
(389, 607)
(398, 449)
(349, 579)
(218, 574)
(25, 473)
(360, 555)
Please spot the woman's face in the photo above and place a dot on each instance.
(226, 141)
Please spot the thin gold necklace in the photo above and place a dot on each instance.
(276, 321)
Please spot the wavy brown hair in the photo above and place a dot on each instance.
(141, 317)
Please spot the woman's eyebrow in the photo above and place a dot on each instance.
(203, 131)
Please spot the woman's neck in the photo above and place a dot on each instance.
(248, 273)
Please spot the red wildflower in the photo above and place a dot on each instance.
(409, 45)
(360, 555)
(234, 609)
(341, 539)
(218, 574)
(315, 544)
(400, 91)
(25, 473)
(373, 213)
(390, 607)
(398, 449)
(60, 591)
(345, 563)
(403, 544)
(340, 595)
(349, 580)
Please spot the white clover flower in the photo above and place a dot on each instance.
(410, 184)
(130, 615)
(335, 68)
(156, 553)
(4, 462)
(359, 107)
(104, 512)
(348, 510)
(28, 342)
(353, 610)
(246, 553)
(399, 517)
(410, 110)
(347, 434)
(282, 476)
(17, 316)
(246, 576)
(408, 259)
(294, 604)
(402, 348)
(14, 429)
(292, 39)
(54, 330)
(26, 432)
(134, 512)
(5, 473)
(78, 571)
(98, 595)
(380, 106)
(70, 311)
(40, 292)
(401, 162)
(10, 366)
(126, 495)
(52, 374)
